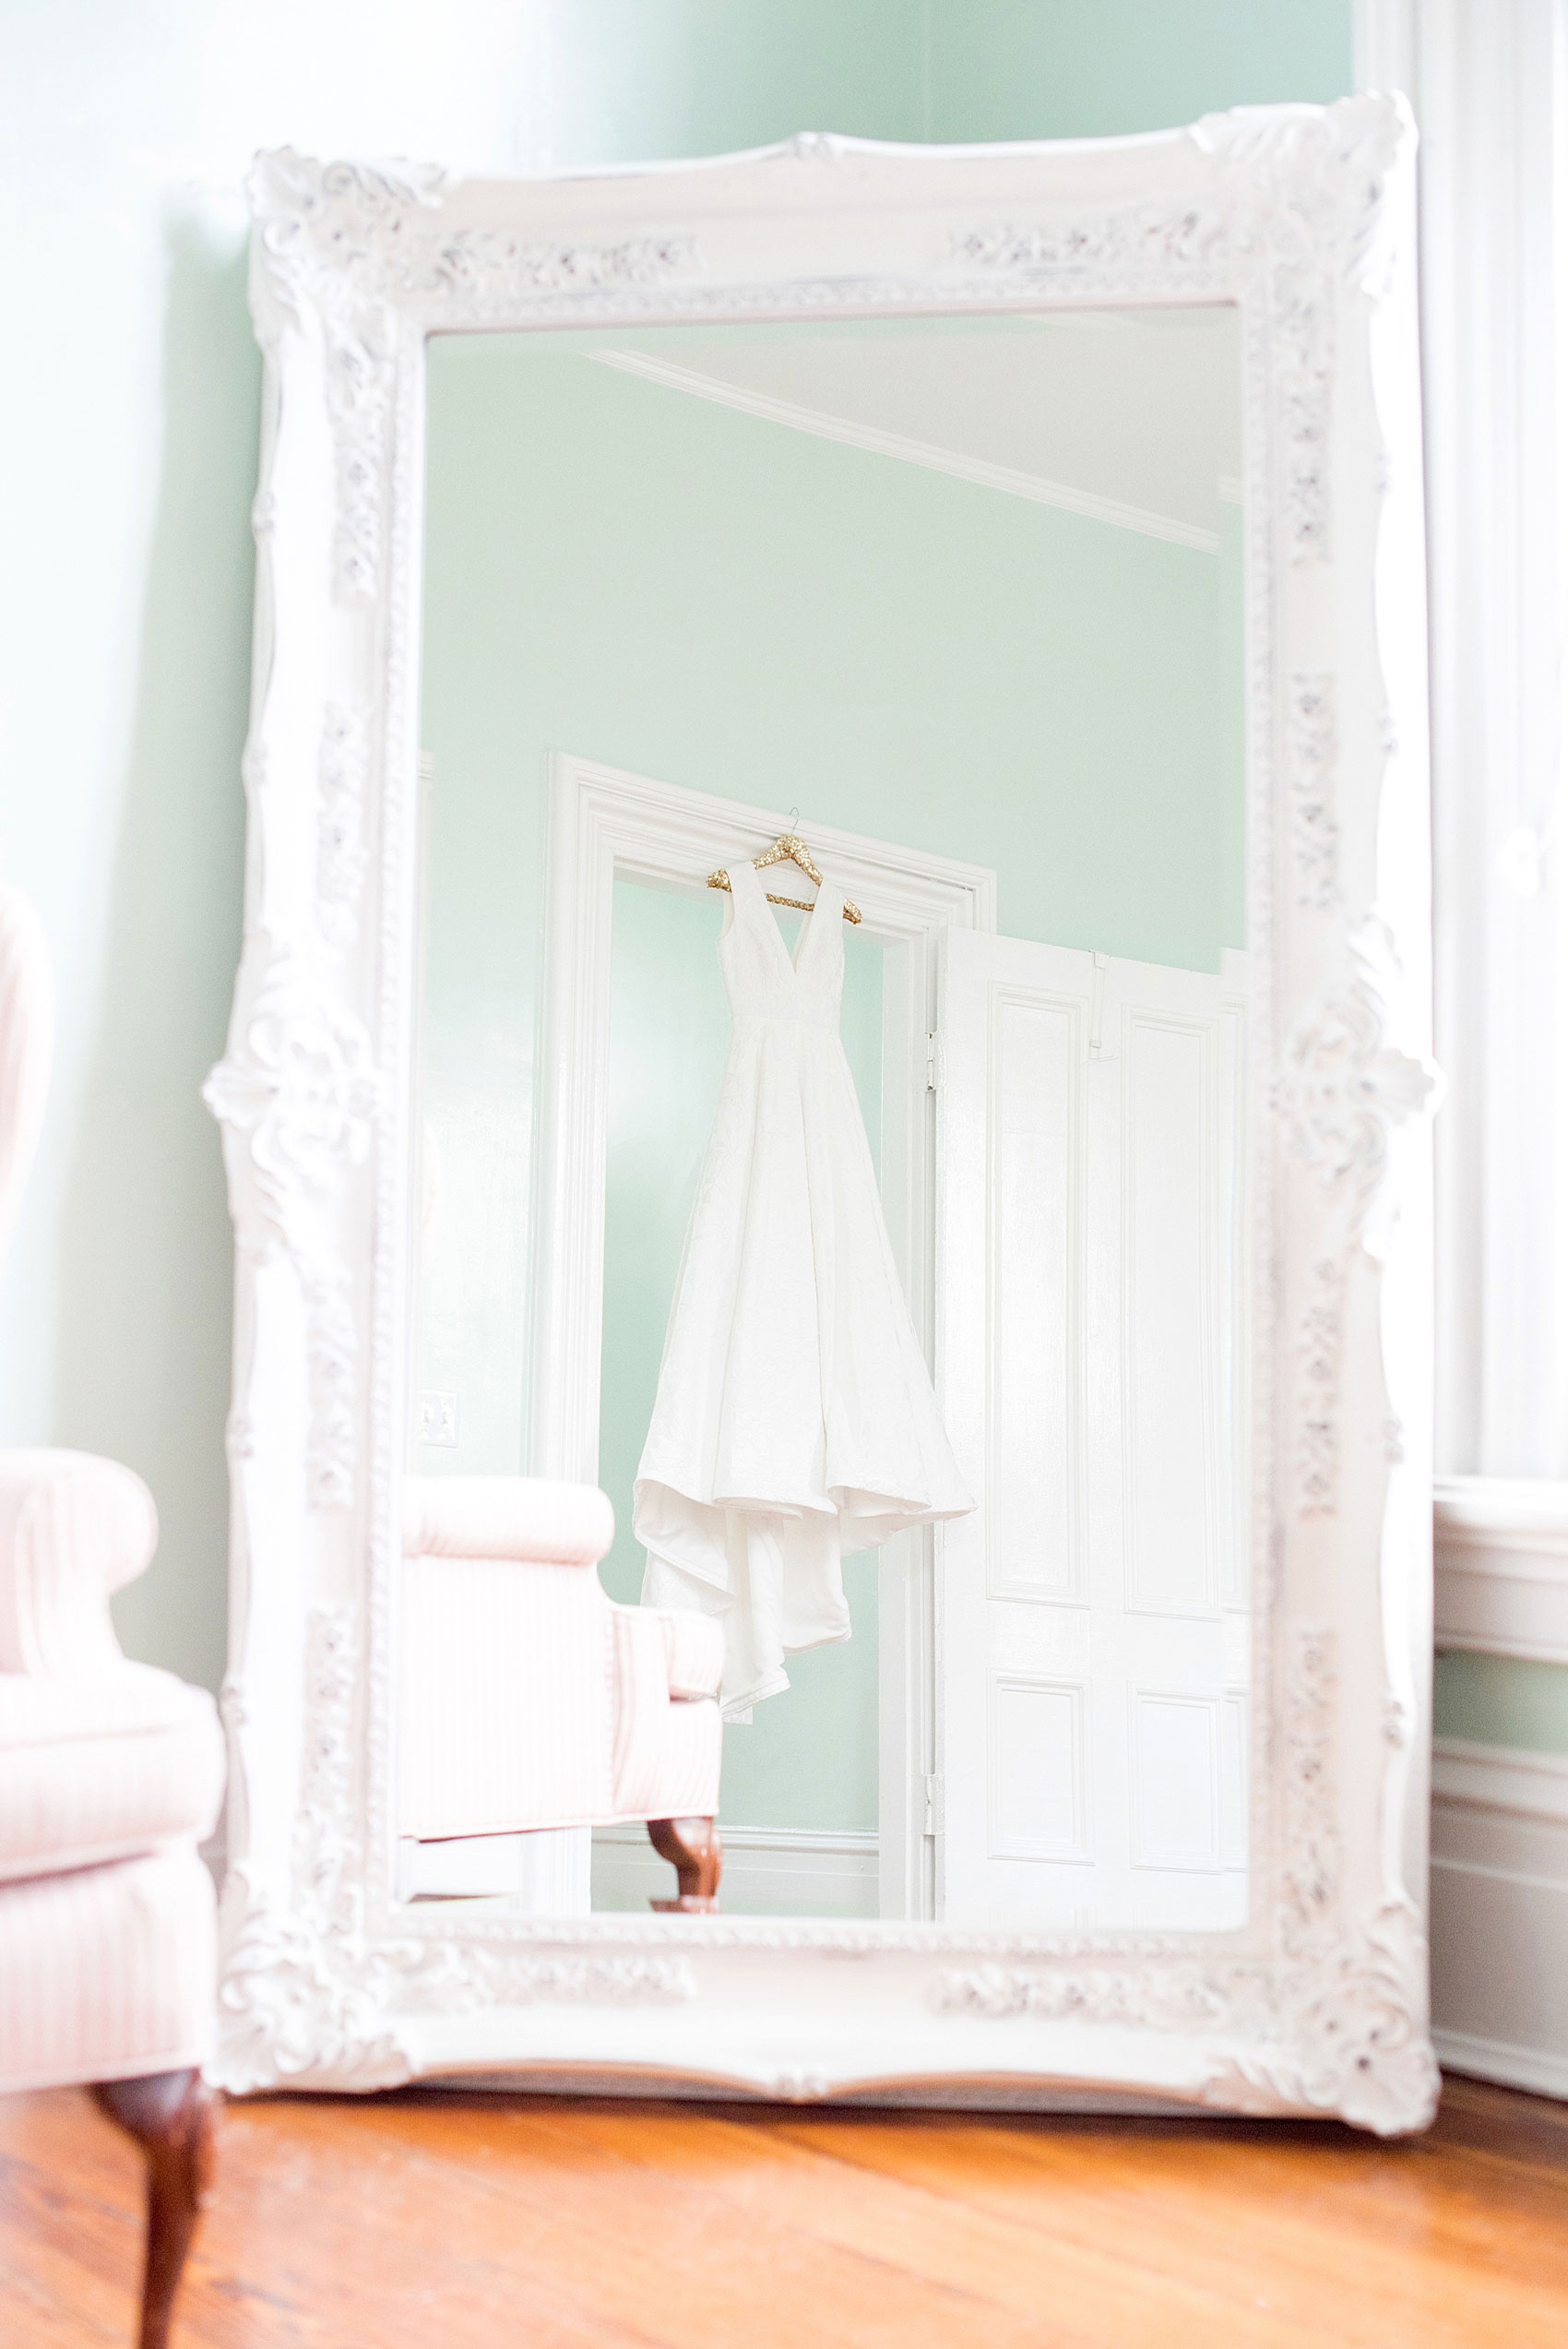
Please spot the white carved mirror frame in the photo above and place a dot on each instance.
(1303, 218)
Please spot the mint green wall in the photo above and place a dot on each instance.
(1501, 1700)
(1064, 69)
(125, 629)
(696, 77)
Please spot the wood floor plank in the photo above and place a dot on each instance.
(553, 2223)
(1352, 2201)
(1031, 2274)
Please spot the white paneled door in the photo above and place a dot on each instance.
(1091, 1632)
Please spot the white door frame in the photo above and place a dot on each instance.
(604, 822)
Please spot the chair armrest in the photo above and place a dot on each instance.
(506, 1517)
(73, 1528)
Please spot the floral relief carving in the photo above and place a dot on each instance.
(488, 265)
(351, 234)
(1342, 1085)
(297, 1096)
(1327, 175)
(1320, 1341)
(1144, 240)
(341, 856)
(1176, 1996)
(309, 1991)
(1352, 2010)
(361, 381)
(1310, 1875)
(353, 241)
(1322, 178)
(1341, 1090)
(1314, 827)
(326, 230)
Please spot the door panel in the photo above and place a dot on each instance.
(1091, 1652)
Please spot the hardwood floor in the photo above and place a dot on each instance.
(456, 2220)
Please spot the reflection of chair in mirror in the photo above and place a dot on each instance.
(110, 1771)
(534, 1708)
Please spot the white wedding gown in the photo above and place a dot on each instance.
(794, 1420)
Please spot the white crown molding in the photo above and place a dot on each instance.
(1502, 1546)
(1005, 478)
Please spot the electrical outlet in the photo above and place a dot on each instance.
(438, 1417)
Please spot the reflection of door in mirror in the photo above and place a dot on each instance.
(1093, 1658)
(967, 595)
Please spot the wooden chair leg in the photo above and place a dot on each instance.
(171, 2116)
(693, 1850)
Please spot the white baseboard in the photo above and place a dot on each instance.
(768, 1871)
(1500, 2060)
(1502, 1566)
(1500, 1914)
(545, 1873)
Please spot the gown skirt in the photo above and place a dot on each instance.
(794, 1421)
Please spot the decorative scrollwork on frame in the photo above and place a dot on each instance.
(1319, 1346)
(1350, 2000)
(1136, 240)
(1341, 1090)
(1315, 826)
(297, 1096)
(307, 1990)
(1326, 175)
(1310, 1877)
(341, 856)
(1342, 1085)
(1193, 1997)
(486, 266)
(352, 241)
(1322, 177)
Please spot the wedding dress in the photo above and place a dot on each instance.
(794, 1420)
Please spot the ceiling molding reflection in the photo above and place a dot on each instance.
(1013, 483)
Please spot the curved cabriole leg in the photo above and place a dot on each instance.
(171, 2116)
(693, 1848)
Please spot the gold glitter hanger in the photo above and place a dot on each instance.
(788, 848)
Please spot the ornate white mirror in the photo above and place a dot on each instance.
(1014, 1417)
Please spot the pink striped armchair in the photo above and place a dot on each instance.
(531, 1704)
(111, 1772)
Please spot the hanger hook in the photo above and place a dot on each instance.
(794, 817)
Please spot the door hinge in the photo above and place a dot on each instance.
(935, 1822)
(933, 1061)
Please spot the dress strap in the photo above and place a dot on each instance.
(744, 887)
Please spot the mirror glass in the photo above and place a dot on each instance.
(970, 590)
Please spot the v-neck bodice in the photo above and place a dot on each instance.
(762, 978)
